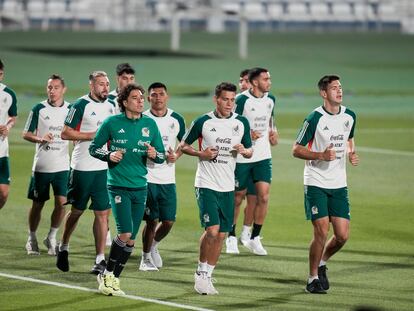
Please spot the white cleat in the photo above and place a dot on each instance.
(156, 257)
(147, 265)
(201, 283)
(231, 245)
(245, 237)
(211, 289)
(32, 247)
(256, 247)
(51, 246)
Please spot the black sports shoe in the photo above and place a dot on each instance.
(322, 277)
(315, 287)
(99, 267)
(62, 261)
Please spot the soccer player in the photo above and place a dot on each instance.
(325, 141)
(162, 198)
(125, 74)
(222, 135)
(133, 138)
(8, 114)
(257, 105)
(50, 164)
(87, 177)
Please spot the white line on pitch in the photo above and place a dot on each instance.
(85, 289)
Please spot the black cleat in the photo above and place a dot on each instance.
(315, 287)
(323, 278)
(62, 261)
(99, 267)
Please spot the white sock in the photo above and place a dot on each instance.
(52, 233)
(202, 266)
(99, 258)
(246, 229)
(64, 247)
(154, 243)
(311, 278)
(32, 235)
(146, 255)
(322, 263)
(210, 270)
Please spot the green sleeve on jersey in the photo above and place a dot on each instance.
(101, 138)
(112, 101)
(308, 129)
(157, 143)
(240, 101)
(75, 114)
(246, 139)
(352, 114)
(13, 108)
(111, 97)
(181, 122)
(195, 130)
(33, 119)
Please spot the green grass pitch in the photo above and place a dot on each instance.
(376, 267)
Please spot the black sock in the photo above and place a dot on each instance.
(126, 252)
(233, 230)
(256, 231)
(115, 253)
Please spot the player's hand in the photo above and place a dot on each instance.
(273, 137)
(151, 152)
(329, 154)
(171, 155)
(255, 134)
(208, 154)
(4, 130)
(47, 138)
(245, 152)
(353, 158)
(116, 156)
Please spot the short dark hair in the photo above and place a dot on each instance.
(244, 72)
(1, 65)
(157, 85)
(325, 80)
(124, 68)
(255, 72)
(57, 77)
(123, 96)
(224, 86)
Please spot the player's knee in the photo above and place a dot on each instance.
(341, 238)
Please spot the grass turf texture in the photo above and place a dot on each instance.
(374, 269)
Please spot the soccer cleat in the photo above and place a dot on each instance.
(98, 267)
(202, 283)
(156, 257)
(147, 265)
(315, 287)
(32, 247)
(211, 289)
(108, 241)
(62, 261)
(51, 246)
(116, 289)
(231, 245)
(323, 278)
(256, 247)
(245, 237)
(105, 282)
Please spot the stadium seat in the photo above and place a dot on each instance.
(342, 12)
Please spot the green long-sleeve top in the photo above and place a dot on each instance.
(129, 136)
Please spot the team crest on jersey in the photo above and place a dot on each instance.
(172, 126)
(236, 131)
(145, 132)
(268, 106)
(118, 199)
(315, 210)
(346, 126)
(206, 218)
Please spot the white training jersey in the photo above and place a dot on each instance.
(171, 127)
(259, 113)
(223, 134)
(321, 129)
(86, 115)
(8, 108)
(54, 156)
(113, 97)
